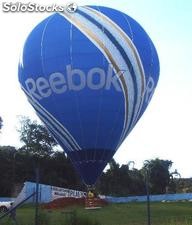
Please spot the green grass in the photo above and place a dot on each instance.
(172, 213)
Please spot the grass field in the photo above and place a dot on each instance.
(172, 213)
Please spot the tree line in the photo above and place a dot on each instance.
(40, 149)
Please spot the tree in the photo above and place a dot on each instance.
(55, 168)
(36, 138)
(16, 167)
(173, 187)
(7, 170)
(1, 123)
(121, 181)
(159, 175)
(58, 171)
(137, 185)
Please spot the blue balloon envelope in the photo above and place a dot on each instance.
(89, 75)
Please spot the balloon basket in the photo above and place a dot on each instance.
(92, 203)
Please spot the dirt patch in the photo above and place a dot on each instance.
(61, 203)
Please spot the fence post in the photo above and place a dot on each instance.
(37, 196)
(148, 198)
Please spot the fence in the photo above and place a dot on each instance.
(4, 199)
(153, 198)
(47, 193)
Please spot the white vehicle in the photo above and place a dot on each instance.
(5, 206)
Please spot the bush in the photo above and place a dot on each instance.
(43, 218)
(76, 219)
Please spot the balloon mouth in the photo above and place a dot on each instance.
(90, 163)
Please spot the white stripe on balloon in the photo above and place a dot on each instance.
(52, 122)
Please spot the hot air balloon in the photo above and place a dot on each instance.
(89, 73)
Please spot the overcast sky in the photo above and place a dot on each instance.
(165, 130)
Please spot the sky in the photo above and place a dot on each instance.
(165, 130)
